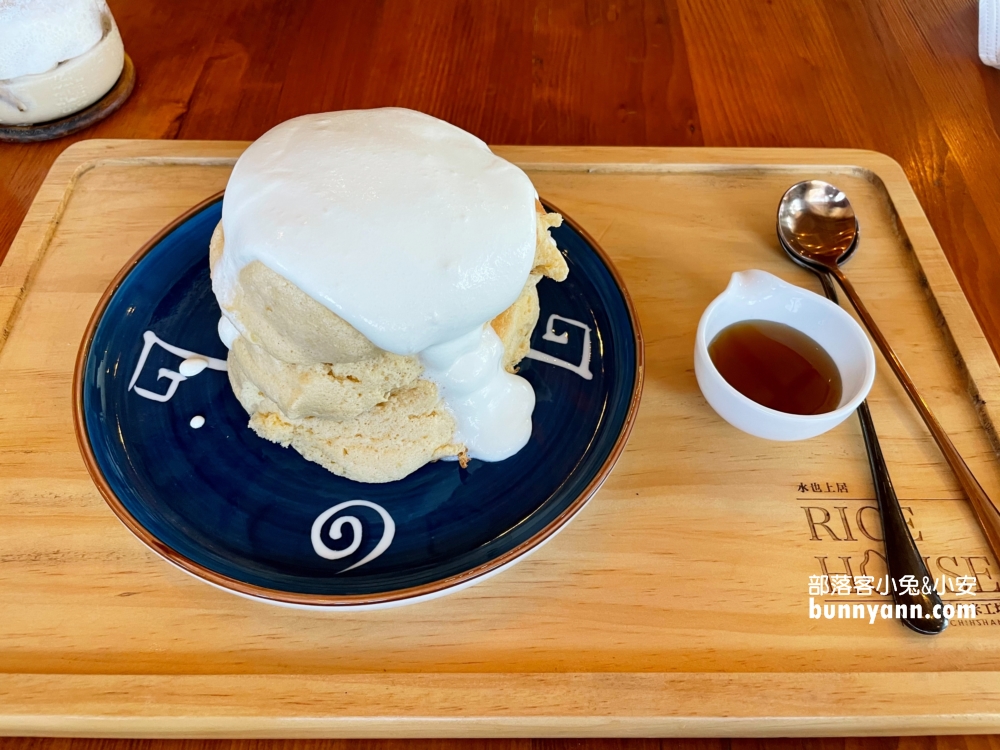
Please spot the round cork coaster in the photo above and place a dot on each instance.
(47, 131)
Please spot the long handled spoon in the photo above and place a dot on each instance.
(817, 228)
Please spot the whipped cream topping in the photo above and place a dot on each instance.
(408, 228)
(37, 35)
(492, 408)
(228, 333)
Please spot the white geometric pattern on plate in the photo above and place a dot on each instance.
(150, 339)
(582, 369)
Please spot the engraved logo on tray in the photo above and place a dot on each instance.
(846, 533)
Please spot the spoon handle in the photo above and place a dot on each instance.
(901, 553)
(986, 512)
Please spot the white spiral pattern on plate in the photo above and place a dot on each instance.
(337, 532)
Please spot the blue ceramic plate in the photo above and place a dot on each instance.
(260, 520)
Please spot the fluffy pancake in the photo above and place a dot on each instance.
(387, 442)
(366, 416)
(334, 391)
(310, 381)
(290, 325)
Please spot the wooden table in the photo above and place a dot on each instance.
(898, 76)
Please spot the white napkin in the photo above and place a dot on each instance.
(989, 32)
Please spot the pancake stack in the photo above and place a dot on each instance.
(311, 381)
(377, 273)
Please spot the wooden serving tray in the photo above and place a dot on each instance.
(675, 604)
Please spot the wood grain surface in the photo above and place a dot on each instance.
(898, 76)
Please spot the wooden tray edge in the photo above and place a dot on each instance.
(495, 705)
(954, 315)
(18, 267)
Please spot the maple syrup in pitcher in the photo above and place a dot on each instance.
(777, 366)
